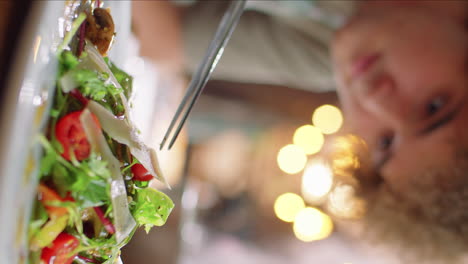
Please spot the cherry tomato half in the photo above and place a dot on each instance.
(140, 173)
(47, 195)
(60, 251)
(70, 133)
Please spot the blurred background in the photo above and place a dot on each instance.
(257, 184)
(261, 173)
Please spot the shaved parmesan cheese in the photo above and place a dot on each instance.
(123, 220)
(67, 82)
(124, 132)
(95, 61)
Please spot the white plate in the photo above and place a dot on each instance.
(29, 90)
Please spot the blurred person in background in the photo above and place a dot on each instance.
(401, 71)
(401, 76)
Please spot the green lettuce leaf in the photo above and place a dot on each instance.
(124, 79)
(88, 181)
(67, 62)
(93, 84)
(151, 208)
(48, 161)
(62, 179)
(94, 193)
(38, 219)
(91, 186)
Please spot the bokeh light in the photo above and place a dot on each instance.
(317, 181)
(342, 162)
(342, 202)
(291, 159)
(287, 206)
(328, 118)
(310, 138)
(343, 143)
(349, 143)
(311, 224)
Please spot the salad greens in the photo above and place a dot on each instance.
(93, 179)
(148, 201)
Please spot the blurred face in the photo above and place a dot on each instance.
(402, 81)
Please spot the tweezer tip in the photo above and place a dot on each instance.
(171, 143)
(163, 142)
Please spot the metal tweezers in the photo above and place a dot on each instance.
(206, 67)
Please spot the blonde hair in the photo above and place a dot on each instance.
(427, 225)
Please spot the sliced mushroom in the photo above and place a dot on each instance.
(100, 29)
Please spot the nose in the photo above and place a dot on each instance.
(383, 98)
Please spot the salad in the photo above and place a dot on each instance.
(94, 173)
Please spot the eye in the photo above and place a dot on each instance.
(383, 150)
(385, 142)
(435, 105)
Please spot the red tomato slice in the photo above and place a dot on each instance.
(140, 173)
(70, 133)
(60, 252)
(47, 195)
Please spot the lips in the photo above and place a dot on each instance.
(363, 64)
